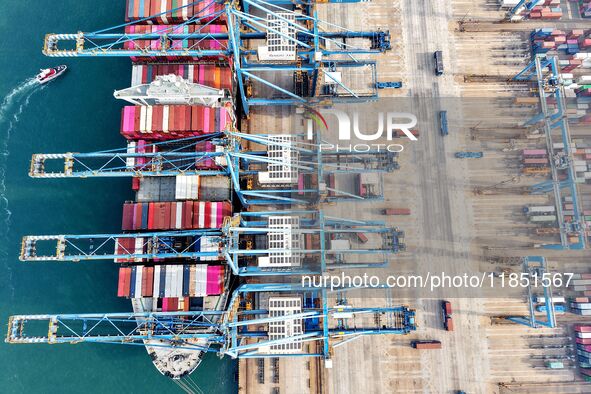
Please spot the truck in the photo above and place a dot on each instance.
(443, 123)
(448, 323)
(469, 155)
(426, 344)
(438, 56)
(541, 209)
(386, 85)
(396, 211)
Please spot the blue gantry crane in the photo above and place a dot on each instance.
(534, 267)
(303, 60)
(265, 243)
(544, 72)
(289, 171)
(262, 320)
(306, 242)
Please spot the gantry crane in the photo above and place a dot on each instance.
(329, 58)
(251, 244)
(280, 320)
(289, 171)
(535, 267)
(544, 72)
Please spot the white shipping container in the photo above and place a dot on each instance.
(543, 219)
(165, 114)
(583, 334)
(163, 10)
(168, 280)
(130, 161)
(179, 282)
(180, 187)
(149, 119)
(156, 287)
(191, 76)
(143, 116)
(195, 187)
(541, 209)
(138, 282)
(200, 280)
(580, 282)
(179, 215)
(201, 214)
(185, 10)
(139, 248)
(580, 305)
(556, 300)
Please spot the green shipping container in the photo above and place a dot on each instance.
(555, 365)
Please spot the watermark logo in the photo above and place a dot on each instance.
(390, 125)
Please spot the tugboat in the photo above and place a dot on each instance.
(49, 74)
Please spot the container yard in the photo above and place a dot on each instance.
(232, 144)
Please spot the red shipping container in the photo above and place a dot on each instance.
(166, 216)
(150, 281)
(121, 283)
(187, 109)
(151, 210)
(155, 10)
(584, 341)
(127, 221)
(171, 115)
(187, 215)
(197, 118)
(196, 214)
(181, 117)
(147, 10)
(137, 217)
(172, 216)
(127, 283)
(135, 184)
(582, 327)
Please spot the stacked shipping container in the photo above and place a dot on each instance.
(168, 122)
(546, 9)
(166, 12)
(583, 346)
(212, 75)
(175, 215)
(572, 42)
(188, 280)
(175, 286)
(585, 8)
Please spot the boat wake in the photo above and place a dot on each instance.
(13, 105)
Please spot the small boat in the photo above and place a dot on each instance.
(49, 74)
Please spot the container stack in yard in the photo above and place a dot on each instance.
(545, 9)
(583, 345)
(585, 8)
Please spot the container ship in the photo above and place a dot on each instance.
(181, 202)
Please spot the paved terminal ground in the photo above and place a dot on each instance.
(466, 214)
